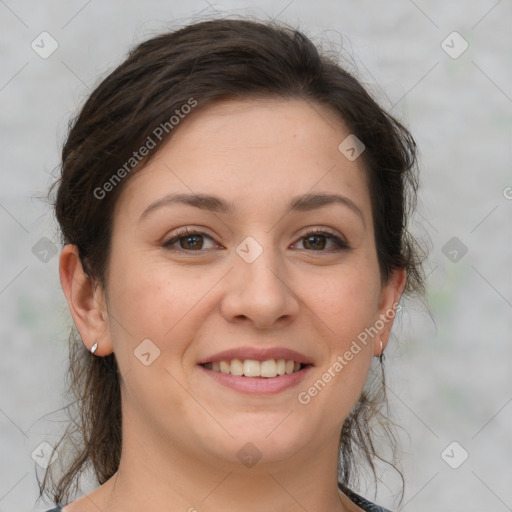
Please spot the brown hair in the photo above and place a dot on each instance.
(208, 61)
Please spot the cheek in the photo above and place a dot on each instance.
(150, 308)
(346, 302)
(146, 303)
(345, 310)
(154, 299)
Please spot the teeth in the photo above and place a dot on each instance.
(237, 367)
(252, 368)
(268, 368)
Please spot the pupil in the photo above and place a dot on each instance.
(192, 237)
(315, 237)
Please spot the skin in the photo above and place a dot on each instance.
(181, 430)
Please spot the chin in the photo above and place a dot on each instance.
(258, 439)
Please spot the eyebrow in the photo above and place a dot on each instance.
(303, 203)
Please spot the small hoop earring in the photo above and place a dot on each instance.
(94, 347)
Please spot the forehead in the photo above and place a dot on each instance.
(257, 151)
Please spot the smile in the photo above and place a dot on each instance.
(269, 368)
(250, 376)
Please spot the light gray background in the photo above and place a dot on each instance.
(448, 381)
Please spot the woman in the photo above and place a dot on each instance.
(233, 209)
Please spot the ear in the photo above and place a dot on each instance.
(390, 296)
(86, 301)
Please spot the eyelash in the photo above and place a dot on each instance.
(342, 245)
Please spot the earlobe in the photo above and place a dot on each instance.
(390, 297)
(85, 301)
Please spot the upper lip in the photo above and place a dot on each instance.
(257, 354)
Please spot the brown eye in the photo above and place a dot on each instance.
(188, 241)
(317, 241)
(191, 242)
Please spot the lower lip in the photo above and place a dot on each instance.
(258, 385)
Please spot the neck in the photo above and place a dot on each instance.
(152, 476)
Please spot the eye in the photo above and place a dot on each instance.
(189, 241)
(192, 241)
(316, 239)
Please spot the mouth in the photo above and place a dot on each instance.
(252, 368)
(257, 371)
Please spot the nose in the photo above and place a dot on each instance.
(259, 291)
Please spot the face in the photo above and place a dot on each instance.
(251, 281)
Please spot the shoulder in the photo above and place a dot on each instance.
(366, 505)
(361, 502)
